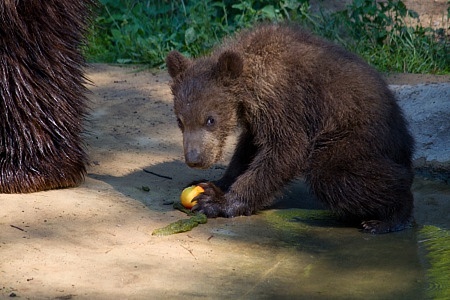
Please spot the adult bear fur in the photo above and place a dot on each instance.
(306, 107)
(42, 94)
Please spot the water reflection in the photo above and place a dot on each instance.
(436, 242)
(344, 263)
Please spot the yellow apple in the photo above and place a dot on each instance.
(190, 193)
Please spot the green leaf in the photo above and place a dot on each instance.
(124, 60)
(269, 12)
(240, 6)
(413, 14)
(116, 34)
(190, 36)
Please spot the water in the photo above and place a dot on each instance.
(325, 260)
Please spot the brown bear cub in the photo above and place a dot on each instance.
(307, 108)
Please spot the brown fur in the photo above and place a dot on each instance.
(307, 108)
(42, 101)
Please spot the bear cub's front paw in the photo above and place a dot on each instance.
(211, 202)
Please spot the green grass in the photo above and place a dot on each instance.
(139, 31)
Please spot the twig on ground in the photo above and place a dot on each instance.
(16, 227)
(156, 174)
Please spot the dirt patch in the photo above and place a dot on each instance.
(412, 79)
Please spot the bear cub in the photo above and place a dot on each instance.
(306, 107)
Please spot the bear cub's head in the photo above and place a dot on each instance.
(205, 103)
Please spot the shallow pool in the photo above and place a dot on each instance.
(323, 259)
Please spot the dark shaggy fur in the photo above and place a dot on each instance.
(42, 102)
(307, 108)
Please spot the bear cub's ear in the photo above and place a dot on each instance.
(176, 63)
(230, 64)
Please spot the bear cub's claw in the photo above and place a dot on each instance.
(377, 227)
(211, 202)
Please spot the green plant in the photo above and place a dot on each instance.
(379, 33)
(144, 31)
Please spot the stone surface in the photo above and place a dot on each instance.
(427, 109)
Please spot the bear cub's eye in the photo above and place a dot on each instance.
(210, 121)
(180, 123)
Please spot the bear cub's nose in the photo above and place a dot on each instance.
(193, 158)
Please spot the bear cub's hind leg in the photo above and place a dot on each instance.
(377, 193)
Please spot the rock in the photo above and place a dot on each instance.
(427, 109)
